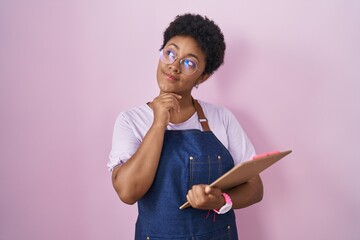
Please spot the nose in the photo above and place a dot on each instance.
(175, 66)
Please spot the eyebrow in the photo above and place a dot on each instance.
(190, 54)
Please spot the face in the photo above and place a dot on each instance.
(169, 76)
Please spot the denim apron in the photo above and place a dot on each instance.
(188, 157)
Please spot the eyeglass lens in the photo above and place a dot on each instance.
(187, 65)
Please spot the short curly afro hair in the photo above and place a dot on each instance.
(205, 32)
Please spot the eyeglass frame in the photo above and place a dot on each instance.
(161, 53)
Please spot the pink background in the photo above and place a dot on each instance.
(67, 68)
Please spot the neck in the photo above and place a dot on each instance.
(186, 102)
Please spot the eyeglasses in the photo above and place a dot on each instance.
(187, 65)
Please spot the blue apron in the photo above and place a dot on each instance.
(188, 157)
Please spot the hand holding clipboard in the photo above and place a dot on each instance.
(242, 172)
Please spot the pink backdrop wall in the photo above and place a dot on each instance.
(67, 68)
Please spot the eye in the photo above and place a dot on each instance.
(189, 64)
(170, 54)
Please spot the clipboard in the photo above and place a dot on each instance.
(242, 172)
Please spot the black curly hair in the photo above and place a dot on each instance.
(205, 32)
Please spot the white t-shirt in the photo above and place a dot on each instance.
(131, 127)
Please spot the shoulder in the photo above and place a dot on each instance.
(134, 115)
(142, 110)
(133, 123)
(229, 131)
(216, 111)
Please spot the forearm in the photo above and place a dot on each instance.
(133, 179)
(247, 193)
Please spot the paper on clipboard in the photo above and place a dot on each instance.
(242, 172)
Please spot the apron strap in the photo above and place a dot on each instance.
(202, 119)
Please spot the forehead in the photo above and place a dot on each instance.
(186, 45)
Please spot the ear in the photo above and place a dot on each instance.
(203, 78)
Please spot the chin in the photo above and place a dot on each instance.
(167, 89)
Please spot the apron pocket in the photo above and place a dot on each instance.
(204, 169)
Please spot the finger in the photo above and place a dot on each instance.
(194, 194)
(212, 190)
(173, 99)
(208, 190)
(172, 105)
(199, 193)
(178, 96)
(190, 198)
(199, 189)
(167, 103)
(198, 198)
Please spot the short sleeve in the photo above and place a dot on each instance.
(240, 146)
(124, 142)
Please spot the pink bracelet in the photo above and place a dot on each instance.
(227, 206)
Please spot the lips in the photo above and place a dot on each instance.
(171, 77)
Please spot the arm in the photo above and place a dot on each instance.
(247, 193)
(207, 198)
(134, 178)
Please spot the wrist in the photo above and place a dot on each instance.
(159, 126)
(222, 202)
(227, 206)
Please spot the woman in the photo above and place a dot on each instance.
(167, 151)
